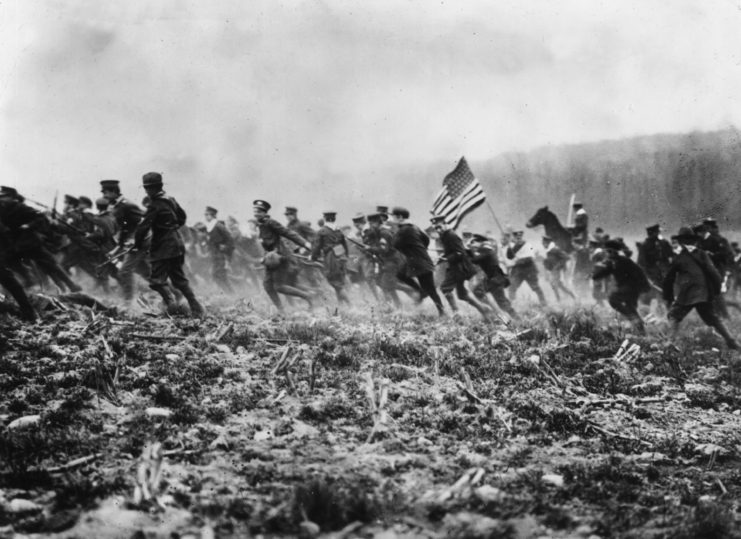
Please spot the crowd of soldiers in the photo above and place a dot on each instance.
(383, 252)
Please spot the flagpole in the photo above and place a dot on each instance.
(494, 216)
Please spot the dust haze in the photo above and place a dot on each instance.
(341, 105)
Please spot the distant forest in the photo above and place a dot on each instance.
(624, 184)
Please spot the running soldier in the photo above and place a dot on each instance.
(459, 267)
(220, 248)
(523, 268)
(331, 246)
(485, 255)
(163, 220)
(696, 281)
(630, 282)
(128, 216)
(281, 267)
(555, 264)
(411, 242)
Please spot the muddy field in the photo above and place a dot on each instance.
(365, 423)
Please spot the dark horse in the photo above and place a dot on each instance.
(553, 228)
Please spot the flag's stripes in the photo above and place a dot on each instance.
(460, 194)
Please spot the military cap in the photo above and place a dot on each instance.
(329, 216)
(466, 234)
(401, 212)
(291, 210)
(685, 233)
(479, 237)
(652, 228)
(152, 179)
(384, 210)
(86, 201)
(262, 205)
(577, 205)
(374, 217)
(599, 230)
(518, 232)
(109, 184)
(435, 219)
(211, 210)
(101, 202)
(71, 200)
(614, 244)
(8, 191)
(359, 218)
(709, 221)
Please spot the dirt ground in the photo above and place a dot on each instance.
(365, 423)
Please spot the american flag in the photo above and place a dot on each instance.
(461, 193)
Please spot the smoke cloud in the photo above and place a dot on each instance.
(336, 104)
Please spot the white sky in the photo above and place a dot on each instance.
(310, 103)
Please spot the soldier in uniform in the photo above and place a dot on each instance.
(281, 269)
(128, 216)
(630, 282)
(23, 226)
(387, 262)
(523, 268)
(484, 253)
(691, 283)
(7, 278)
(302, 228)
(331, 246)
(411, 242)
(721, 254)
(459, 267)
(220, 247)
(163, 219)
(555, 264)
(654, 257)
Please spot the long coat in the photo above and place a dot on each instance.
(460, 267)
(331, 245)
(410, 241)
(629, 277)
(692, 279)
(164, 218)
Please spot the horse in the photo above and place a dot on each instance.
(553, 228)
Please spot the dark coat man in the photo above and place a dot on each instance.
(128, 216)
(693, 282)
(8, 279)
(655, 255)
(459, 268)
(23, 225)
(484, 254)
(330, 245)
(281, 268)
(630, 282)
(411, 242)
(163, 219)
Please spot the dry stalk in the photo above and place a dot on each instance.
(377, 401)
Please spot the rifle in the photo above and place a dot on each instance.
(307, 261)
(364, 248)
(114, 258)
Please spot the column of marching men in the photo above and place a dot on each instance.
(383, 253)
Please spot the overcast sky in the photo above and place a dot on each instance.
(235, 100)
